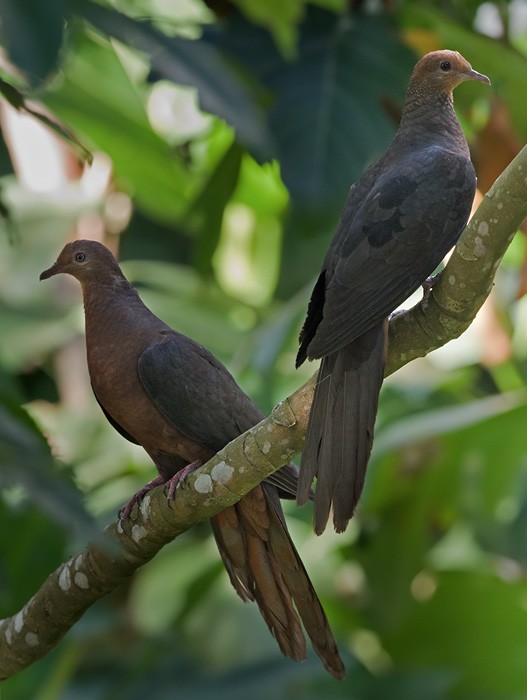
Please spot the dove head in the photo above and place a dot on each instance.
(442, 71)
(85, 260)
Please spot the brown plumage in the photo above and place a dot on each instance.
(166, 392)
(399, 221)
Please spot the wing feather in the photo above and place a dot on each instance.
(389, 245)
(206, 404)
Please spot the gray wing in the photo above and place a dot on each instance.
(385, 247)
(195, 392)
(199, 396)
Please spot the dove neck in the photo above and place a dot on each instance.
(111, 302)
(430, 117)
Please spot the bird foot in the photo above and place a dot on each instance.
(180, 476)
(428, 284)
(172, 483)
(137, 497)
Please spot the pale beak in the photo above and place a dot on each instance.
(474, 75)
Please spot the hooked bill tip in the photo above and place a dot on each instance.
(474, 75)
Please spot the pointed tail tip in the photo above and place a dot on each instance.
(319, 527)
(336, 668)
(331, 659)
(301, 356)
(342, 514)
(341, 525)
(304, 491)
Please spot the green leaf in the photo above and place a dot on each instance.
(205, 215)
(189, 62)
(39, 544)
(455, 452)
(17, 100)
(25, 458)
(280, 18)
(12, 95)
(32, 33)
(444, 421)
(327, 115)
(98, 99)
(410, 684)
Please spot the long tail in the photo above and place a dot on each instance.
(340, 429)
(265, 567)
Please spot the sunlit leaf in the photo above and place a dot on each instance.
(17, 100)
(188, 62)
(280, 18)
(97, 98)
(205, 215)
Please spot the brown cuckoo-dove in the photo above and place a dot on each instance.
(166, 392)
(399, 221)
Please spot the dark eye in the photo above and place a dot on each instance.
(80, 257)
(445, 65)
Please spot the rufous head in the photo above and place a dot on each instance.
(441, 71)
(83, 260)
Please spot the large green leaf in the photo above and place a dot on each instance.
(189, 62)
(25, 459)
(205, 215)
(280, 18)
(463, 461)
(97, 98)
(441, 482)
(38, 547)
(32, 33)
(327, 114)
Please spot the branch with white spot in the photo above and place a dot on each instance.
(124, 546)
(107, 562)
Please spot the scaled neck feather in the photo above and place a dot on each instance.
(428, 117)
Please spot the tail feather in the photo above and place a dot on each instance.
(286, 481)
(340, 429)
(272, 574)
(231, 540)
(329, 461)
(316, 428)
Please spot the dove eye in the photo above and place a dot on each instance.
(80, 257)
(445, 66)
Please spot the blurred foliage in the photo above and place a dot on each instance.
(224, 137)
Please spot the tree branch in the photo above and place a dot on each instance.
(108, 561)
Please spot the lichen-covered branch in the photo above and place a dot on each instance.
(105, 563)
